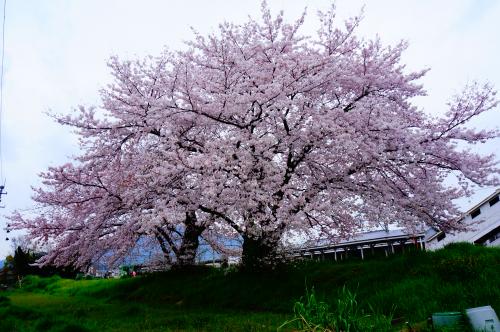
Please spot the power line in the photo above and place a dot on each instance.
(1, 91)
(2, 179)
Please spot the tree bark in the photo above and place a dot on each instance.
(259, 252)
(190, 241)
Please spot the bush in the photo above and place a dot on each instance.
(35, 283)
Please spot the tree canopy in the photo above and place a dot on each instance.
(258, 133)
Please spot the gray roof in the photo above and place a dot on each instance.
(372, 236)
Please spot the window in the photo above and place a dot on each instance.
(441, 236)
(475, 213)
(494, 237)
(494, 200)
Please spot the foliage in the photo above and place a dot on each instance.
(313, 315)
(258, 133)
(310, 313)
(33, 283)
(23, 263)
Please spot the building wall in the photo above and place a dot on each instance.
(484, 224)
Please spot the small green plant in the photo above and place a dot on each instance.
(346, 316)
(311, 315)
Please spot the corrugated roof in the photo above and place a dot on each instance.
(371, 236)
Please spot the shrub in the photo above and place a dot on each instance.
(35, 283)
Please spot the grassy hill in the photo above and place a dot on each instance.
(407, 287)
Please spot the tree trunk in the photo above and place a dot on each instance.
(259, 252)
(190, 241)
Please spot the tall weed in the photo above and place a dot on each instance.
(312, 315)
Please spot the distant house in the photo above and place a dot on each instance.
(484, 222)
(362, 245)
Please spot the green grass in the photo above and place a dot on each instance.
(46, 312)
(409, 287)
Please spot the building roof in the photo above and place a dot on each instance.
(496, 192)
(478, 205)
(361, 238)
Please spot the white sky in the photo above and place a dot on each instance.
(56, 53)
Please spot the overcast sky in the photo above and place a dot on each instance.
(56, 53)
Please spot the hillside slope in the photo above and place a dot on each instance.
(409, 287)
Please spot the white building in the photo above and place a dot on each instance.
(484, 222)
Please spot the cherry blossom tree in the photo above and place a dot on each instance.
(260, 132)
(320, 135)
